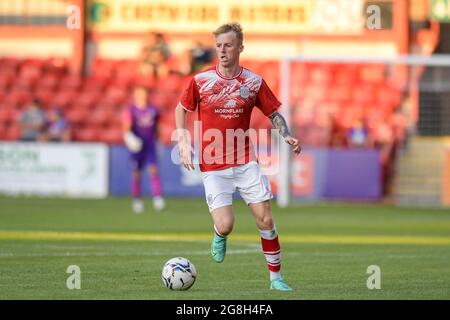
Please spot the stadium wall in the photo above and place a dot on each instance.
(317, 174)
(96, 171)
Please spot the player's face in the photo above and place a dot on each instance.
(228, 49)
(140, 97)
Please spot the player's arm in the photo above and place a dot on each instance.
(279, 123)
(184, 143)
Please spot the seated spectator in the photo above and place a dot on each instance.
(358, 135)
(338, 138)
(201, 56)
(57, 129)
(32, 122)
(154, 55)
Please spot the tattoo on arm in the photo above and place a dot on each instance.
(280, 123)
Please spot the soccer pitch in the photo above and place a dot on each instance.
(326, 250)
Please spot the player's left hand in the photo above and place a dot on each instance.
(296, 148)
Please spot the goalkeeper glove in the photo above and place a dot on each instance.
(132, 142)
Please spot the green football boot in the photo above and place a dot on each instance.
(280, 285)
(218, 248)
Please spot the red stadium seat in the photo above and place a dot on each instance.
(6, 80)
(339, 92)
(116, 95)
(77, 116)
(86, 100)
(165, 134)
(88, 134)
(363, 93)
(95, 84)
(12, 133)
(111, 135)
(103, 66)
(99, 117)
(64, 98)
(161, 100)
(125, 82)
(27, 84)
(49, 81)
(8, 115)
(56, 66)
(372, 73)
(71, 82)
(18, 98)
(31, 70)
(10, 64)
(45, 97)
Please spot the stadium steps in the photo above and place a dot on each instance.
(419, 171)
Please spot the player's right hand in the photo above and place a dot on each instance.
(185, 150)
(133, 142)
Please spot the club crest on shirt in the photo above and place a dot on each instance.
(244, 92)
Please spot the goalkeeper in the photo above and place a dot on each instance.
(140, 123)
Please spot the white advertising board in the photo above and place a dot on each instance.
(72, 169)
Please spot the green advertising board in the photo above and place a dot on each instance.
(440, 10)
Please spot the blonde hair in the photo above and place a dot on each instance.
(231, 26)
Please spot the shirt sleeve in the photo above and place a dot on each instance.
(191, 96)
(266, 100)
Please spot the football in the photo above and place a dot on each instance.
(179, 274)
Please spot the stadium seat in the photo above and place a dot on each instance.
(56, 66)
(77, 116)
(64, 99)
(111, 135)
(6, 80)
(339, 92)
(8, 116)
(98, 117)
(88, 134)
(165, 134)
(48, 81)
(45, 97)
(95, 84)
(363, 93)
(12, 133)
(18, 98)
(71, 82)
(372, 73)
(116, 94)
(10, 64)
(31, 70)
(27, 84)
(127, 67)
(86, 100)
(125, 82)
(161, 100)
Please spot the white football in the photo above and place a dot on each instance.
(178, 274)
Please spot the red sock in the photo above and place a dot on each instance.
(156, 185)
(271, 249)
(136, 188)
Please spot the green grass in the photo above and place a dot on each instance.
(326, 251)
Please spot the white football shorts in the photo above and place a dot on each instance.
(247, 179)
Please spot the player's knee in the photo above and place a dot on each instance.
(153, 170)
(136, 174)
(224, 227)
(265, 222)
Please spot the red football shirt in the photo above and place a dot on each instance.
(224, 108)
